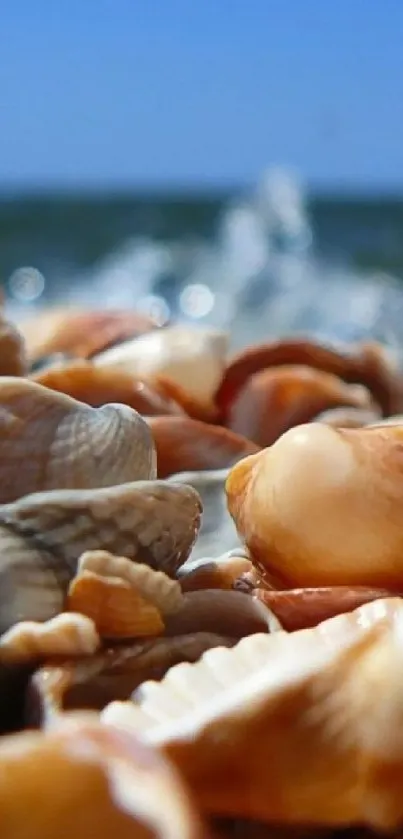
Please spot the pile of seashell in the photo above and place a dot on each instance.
(201, 623)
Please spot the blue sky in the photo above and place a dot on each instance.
(160, 92)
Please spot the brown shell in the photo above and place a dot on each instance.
(96, 386)
(81, 333)
(117, 609)
(205, 412)
(112, 673)
(13, 356)
(366, 364)
(223, 573)
(276, 399)
(301, 608)
(84, 779)
(186, 445)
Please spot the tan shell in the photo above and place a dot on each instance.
(349, 417)
(323, 506)
(300, 728)
(154, 586)
(186, 445)
(64, 444)
(193, 358)
(43, 535)
(113, 673)
(13, 357)
(65, 635)
(83, 779)
(117, 609)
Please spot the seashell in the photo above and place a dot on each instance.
(296, 728)
(95, 386)
(81, 333)
(113, 673)
(13, 357)
(230, 613)
(64, 444)
(301, 608)
(185, 445)
(322, 507)
(44, 362)
(65, 635)
(217, 533)
(43, 535)
(192, 358)
(369, 364)
(117, 609)
(223, 572)
(154, 586)
(279, 398)
(92, 781)
(349, 417)
(192, 406)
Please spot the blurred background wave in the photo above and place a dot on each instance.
(237, 164)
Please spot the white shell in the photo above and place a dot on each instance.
(193, 358)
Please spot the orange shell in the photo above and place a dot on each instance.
(210, 574)
(116, 608)
(205, 412)
(366, 364)
(278, 398)
(83, 779)
(184, 444)
(301, 608)
(81, 333)
(97, 386)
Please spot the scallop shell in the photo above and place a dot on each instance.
(192, 358)
(114, 605)
(185, 445)
(13, 357)
(369, 364)
(217, 533)
(81, 333)
(95, 386)
(279, 398)
(301, 728)
(43, 535)
(64, 444)
(65, 635)
(110, 674)
(92, 781)
(154, 586)
(323, 507)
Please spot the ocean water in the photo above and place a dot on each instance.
(261, 262)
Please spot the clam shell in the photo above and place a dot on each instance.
(95, 386)
(113, 673)
(43, 535)
(301, 728)
(323, 507)
(117, 609)
(217, 533)
(369, 364)
(13, 357)
(185, 445)
(154, 586)
(92, 781)
(64, 444)
(302, 608)
(192, 358)
(279, 398)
